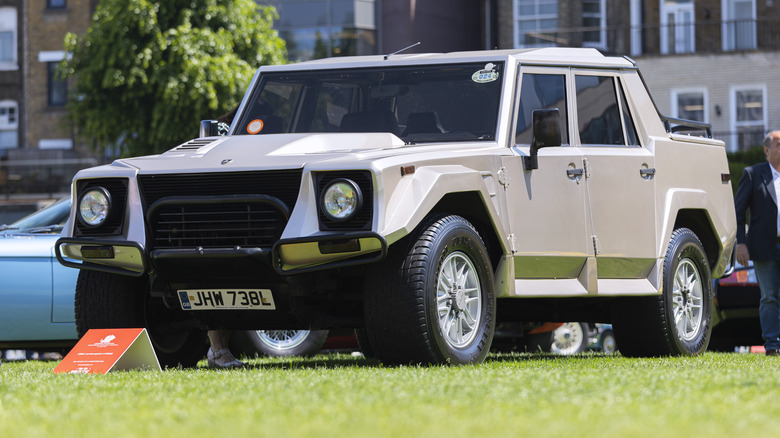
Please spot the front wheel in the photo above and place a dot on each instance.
(432, 301)
(106, 300)
(679, 321)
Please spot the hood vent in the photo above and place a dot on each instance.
(196, 144)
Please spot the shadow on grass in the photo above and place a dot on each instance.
(335, 361)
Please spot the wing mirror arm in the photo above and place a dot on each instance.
(547, 133)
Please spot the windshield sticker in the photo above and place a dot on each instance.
(254, 126)
(488, 74)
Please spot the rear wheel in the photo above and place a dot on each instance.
(570, 338)
(679, 321)
(432, 301)
(282, 342)
(106, 300)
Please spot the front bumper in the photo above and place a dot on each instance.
(287, 257)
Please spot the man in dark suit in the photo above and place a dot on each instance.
(758, 193)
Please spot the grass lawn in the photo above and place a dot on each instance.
(714, 395)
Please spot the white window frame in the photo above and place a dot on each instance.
(636, 27)
(728, 37)
(536, 17)
(9, 23)
(681, 45)
(734, 124)
(55, 143)
(602, 16)
(7, 125)
(676, 92)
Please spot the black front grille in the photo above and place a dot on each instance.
(219, 210)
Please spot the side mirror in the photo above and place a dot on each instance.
(547, 133)
(209, 128)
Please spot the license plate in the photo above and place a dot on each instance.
(226, 299)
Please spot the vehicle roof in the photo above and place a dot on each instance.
(562, 56)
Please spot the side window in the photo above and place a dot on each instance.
(631, 135)
(540, 91)
(598, 114)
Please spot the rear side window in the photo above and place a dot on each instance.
(598, 113)
(540, 91)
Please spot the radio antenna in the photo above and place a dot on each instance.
(399, 51)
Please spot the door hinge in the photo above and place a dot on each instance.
(512, 243)
(586, 166)
(595, 245)
(503, 177)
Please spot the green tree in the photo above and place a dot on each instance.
(147, 72)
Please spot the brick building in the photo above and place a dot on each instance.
(706, 60)
(45, 94)
(11, 79)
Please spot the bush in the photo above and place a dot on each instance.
(738, 161)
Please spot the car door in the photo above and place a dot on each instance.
(546, 205)
(620, 184)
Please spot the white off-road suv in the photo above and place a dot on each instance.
(421, 200)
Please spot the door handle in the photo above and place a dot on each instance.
(574, 173)
(647, 173)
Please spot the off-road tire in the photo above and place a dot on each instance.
(105, 300)
(645, 326)
(401, 303)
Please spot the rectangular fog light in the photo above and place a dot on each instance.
(97, 252)
(338, 246)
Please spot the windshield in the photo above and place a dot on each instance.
(53, 216)
(431, 103)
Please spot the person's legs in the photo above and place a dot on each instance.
(768, 276)
(219, 355)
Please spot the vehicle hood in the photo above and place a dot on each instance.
(27, 245)
(272, 151)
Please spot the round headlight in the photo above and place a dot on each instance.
(94, 207)
(341, 200)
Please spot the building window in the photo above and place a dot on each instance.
(58, 87)
(56, 4)
(748, 116)
(327, 28)
(690, 104)
(594, 20)
(739, 24)
(8, 38)
(677, 27)
(9, 124)
(537, 23)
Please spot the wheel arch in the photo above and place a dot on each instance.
(698, 221)
(469, 205)
(714, 225)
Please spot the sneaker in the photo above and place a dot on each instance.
(772, 352)
(222, 359)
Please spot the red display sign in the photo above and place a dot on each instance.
(102, 350)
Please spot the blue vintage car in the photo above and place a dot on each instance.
(36, 292)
